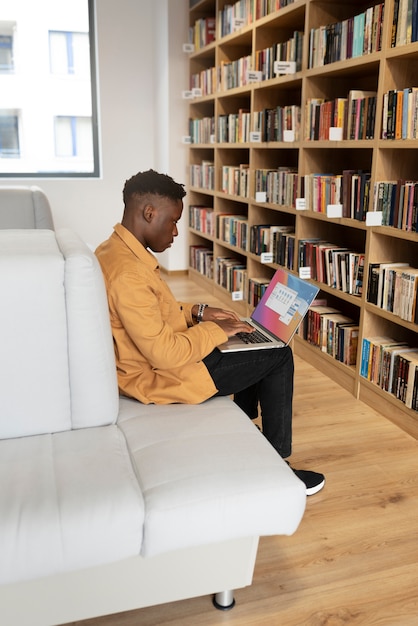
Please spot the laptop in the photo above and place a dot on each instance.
(277, 316)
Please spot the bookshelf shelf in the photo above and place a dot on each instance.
(260, 162)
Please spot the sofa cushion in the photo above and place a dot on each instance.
(57, 359)
(24, 207)
(207, 474)
(67, 501)
(34, 381)
(93, 381)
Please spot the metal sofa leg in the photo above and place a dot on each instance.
(224, 600)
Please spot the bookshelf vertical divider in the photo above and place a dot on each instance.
(265, 137)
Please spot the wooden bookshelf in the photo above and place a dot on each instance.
(235, 153)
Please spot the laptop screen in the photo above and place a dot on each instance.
(284, 304)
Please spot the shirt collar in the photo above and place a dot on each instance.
(136, 247)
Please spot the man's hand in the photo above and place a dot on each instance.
(233, 326)
(228, 320)
(212, 314)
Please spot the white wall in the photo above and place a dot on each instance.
(172, 110)
(131, 59)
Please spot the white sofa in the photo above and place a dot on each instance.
(108, 505)
(23, 206)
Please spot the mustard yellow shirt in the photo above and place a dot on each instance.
(158, 347)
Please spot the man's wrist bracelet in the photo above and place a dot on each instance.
(200, 310)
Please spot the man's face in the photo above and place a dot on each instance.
(162, 227)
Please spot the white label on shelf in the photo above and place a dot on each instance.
(335, 133)
(254, 77)
(238, 22)
(212, 139)
(374, 218)
(188, 95)
(300, 204)
(304, 273)
(260, 196)
(289, 135)
(187, 139)
(334, 210)
(237, 295)
(285, 67)
(255, 137)
(188, 47)
(267, 257)
(197, 92)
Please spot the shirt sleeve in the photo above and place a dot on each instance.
(145, 314)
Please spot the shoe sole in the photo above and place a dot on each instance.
(313, 490)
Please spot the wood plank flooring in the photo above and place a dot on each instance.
(354, 558)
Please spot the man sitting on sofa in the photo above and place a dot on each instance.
(166, 351)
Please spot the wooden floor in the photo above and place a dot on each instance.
(354, 558)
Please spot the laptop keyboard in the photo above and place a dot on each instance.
(254, 337)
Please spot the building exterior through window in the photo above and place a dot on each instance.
(48, 118)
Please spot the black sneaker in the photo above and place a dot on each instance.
(313, 480)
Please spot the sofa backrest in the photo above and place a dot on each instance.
(24, 207)
(57, 365)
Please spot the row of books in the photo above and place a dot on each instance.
(332, 264)
(272, 123)
(235, 180)
(234, 127)
(280, 185)
(265, 7)
(243, 12)
(234, 16)
(202, 175)
(230, 273)
(206, 80)
(355, 115)
(351, 190)
(353, 37)
(202, 218)
(202, 130)
(405, 22)
(201, 260)
(331, 331)
(398, 201)
(274, 239)
(203, 32)
(400, 114)
(290, 50)
(393, 366)
(261, 237)
(254, 290)
(234, 73)
(394, 287)
(232, 229)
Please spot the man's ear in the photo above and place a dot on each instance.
(148, 212)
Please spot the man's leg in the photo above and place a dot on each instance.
(264, 376)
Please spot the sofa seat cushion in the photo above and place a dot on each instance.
(207, 475)
(67, 501)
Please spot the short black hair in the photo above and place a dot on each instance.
(152, 182)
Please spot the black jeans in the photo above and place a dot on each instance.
(259, 376)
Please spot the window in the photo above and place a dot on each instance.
(69, 53)
(6, 52)
(48, 103)
(9, 135)
(72, 137)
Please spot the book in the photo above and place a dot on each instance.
(411, 378)
(365, 353)
(355, 96)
